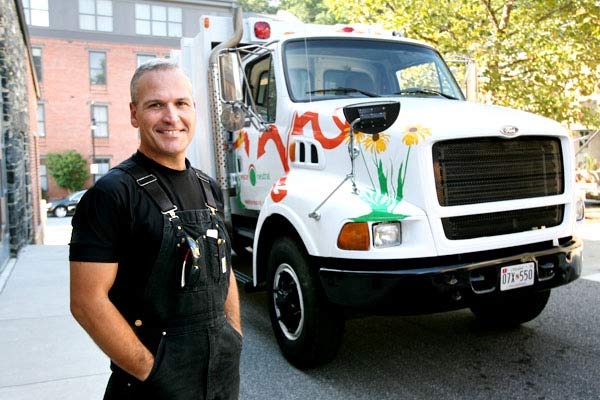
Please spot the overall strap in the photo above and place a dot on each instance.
(207, 189)
(150, 184)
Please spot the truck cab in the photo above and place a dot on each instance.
(360, 180)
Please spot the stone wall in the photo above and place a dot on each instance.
(16, 194)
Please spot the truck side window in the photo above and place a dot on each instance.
(261, 76)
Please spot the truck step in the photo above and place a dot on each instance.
(247, 283)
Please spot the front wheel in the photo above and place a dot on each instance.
(307, 327)
(511, 309)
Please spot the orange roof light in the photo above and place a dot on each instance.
(262, 30)
(206, 22)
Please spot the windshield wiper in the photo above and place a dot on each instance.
(426, 91)
(344, 90)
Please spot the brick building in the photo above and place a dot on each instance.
(85, 52)
(20, 216)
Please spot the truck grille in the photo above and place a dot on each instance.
(502, 223)
(471, 171)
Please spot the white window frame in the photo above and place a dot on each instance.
(98, 20)
(41, 120)
(36, 12)
(101, 161)
(144, 56)
(101, 125)
(158, 20)
(34, 50)
(96, 69)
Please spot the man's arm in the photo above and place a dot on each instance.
(232, 304)
(91, 307)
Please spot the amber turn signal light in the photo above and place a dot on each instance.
(354, 236)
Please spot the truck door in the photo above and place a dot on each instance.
(260, 153)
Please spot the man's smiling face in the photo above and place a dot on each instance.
(165, 114)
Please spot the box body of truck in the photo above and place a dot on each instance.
(454, 204)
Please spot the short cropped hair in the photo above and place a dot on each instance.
(156, 64)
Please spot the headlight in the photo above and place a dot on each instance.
(387, 234)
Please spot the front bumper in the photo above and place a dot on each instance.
(414, 286)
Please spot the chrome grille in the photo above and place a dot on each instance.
(472, 171)
(502, 223)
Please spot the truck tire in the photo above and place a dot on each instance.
(509, 310)
(308, 328)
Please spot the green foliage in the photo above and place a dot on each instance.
(68, 169)
(539, 56)
(257, 6)
(311, 11)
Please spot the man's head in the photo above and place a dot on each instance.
(163, 108)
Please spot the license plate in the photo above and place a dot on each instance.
(516, 276)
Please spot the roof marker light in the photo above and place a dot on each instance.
(348, 29)
(206, 22)
(262, 30)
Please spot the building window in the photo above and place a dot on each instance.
(36, 54)
(158, 20)
(43, 177)
(100, 121)
(98, 68)
(100, 167)
(41, 120)
(96, 15)
(36, 12)
(142, 58)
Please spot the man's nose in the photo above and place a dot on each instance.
(171, 114)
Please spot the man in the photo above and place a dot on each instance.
(151, 278)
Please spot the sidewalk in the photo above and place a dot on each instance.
(44, 352)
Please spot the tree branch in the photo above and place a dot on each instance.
(488, 7)
(508, 6)
(567, 6)
(390, 6)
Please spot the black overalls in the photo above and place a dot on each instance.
(180, 314)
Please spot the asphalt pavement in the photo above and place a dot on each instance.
(46, 355)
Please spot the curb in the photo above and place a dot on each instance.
(10, 265)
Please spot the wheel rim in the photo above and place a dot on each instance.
(288, 301)
(60, 212)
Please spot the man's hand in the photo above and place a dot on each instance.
(232, 305)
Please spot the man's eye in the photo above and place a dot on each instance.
(155, 105)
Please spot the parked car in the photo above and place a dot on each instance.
(66, 206)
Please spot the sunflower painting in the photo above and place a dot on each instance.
(385, 201)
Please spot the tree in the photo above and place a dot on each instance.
(310, 11)
(68, 169)
(535, 55)
(257, 6)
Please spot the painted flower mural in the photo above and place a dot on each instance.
(385, 198)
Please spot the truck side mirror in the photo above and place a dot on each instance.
(372, 117)
(231, 80)
(233, 117)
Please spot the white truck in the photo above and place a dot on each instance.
(360, 180)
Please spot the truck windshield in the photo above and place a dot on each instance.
(328, 68)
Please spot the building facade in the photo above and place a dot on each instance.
(85, 52)
(20, 213)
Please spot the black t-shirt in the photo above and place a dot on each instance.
(117, 221)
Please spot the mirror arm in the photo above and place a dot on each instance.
(315, 213)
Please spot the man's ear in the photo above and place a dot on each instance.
(133, 115)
